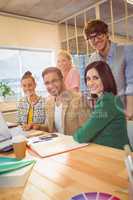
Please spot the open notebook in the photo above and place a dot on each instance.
(53, 144)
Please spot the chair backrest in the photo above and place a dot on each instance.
(130, 132)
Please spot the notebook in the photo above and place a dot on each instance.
(53, 144)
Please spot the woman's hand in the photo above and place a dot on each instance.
(36, 126)
(27, 127)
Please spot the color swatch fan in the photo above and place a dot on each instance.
(94, 196)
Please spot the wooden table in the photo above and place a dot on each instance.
(91, 168)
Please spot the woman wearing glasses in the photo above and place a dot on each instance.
(107, 124)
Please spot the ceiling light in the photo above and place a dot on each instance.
(130, 1)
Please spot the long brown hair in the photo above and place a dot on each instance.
(105, 74)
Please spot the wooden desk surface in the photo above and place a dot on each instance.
(91, 168)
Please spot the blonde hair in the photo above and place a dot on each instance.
(65, 54)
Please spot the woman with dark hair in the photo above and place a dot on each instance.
(31, 107)
(107, 124)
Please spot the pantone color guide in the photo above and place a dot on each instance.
(94, 196)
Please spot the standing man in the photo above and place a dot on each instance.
(65, 110)
(119, 58)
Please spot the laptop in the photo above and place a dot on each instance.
(5, 136)
(4, 130)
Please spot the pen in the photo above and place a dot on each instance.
(49, 136)
(42, 140)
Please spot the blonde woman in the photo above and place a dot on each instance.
(70, 73)
(31, 107)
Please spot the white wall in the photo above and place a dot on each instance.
(15, 32)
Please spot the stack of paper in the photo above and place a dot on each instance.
(14, 173)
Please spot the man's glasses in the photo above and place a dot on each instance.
(95, 35)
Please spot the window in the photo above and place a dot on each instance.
(80, 61)
(15, 62)
(118, 16)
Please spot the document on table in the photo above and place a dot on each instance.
(49, 146)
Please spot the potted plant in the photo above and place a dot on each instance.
(5, 90)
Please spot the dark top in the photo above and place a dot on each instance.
(106, 125)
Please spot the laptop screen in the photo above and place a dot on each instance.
(4, 130)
